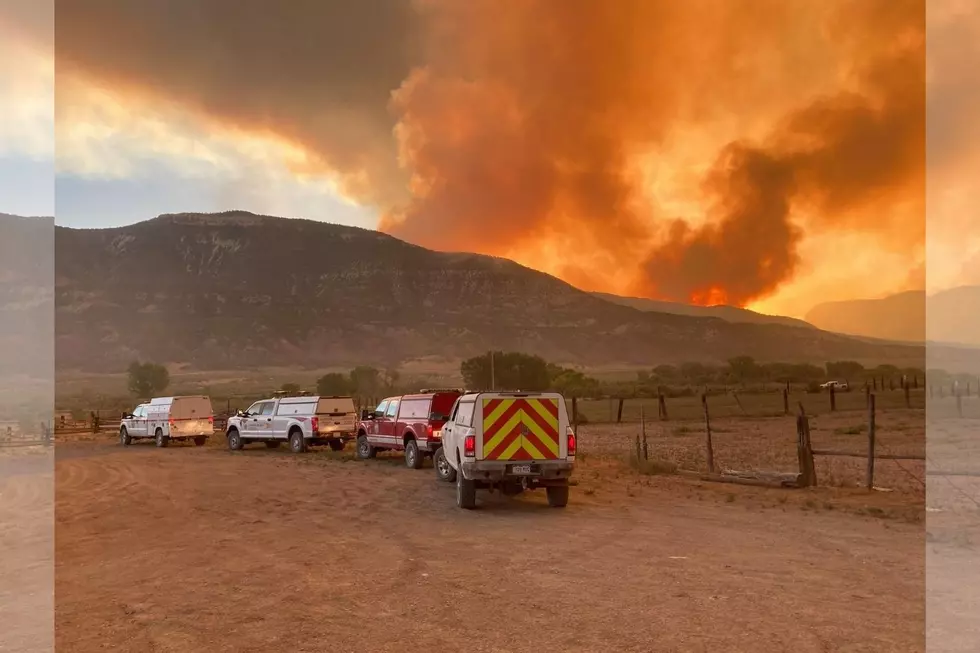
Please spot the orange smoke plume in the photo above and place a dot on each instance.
(530, 122)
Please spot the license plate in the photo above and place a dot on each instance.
(521, 469)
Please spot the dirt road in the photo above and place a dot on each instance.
(187, 549)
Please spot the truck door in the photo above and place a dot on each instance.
(264, 419)
(250, 424)
(373, 425)
(139, 421)
(386, 430)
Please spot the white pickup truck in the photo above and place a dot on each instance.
(510, 441)
(169, 418)
(300, 421)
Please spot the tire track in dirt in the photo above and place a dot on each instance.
(266, 551)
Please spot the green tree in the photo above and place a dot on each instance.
(365, 381)
(147, 379)
(743, 368)
(510, 371)
(333, 385)
(845, 370)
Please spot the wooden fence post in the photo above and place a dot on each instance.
(785, 402)
(643, 421)
(871, 443)
(867, 394)
(707, 430)
(739, 402)
(908, 399)
(619, 413)
(662, 404)
(804, 451)
(833, 399)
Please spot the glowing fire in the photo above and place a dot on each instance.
(710, 297)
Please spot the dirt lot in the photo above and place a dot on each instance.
(188, 549)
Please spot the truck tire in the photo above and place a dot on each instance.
(297, 443)
(364, 448)
(558, 496)
(413, 457)
(124, 438)
(235, 440)
(272, 444)
(200, 441)
(336, 445)
(465, 493)
(161, 439)
(444, 471)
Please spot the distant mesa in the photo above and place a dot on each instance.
(950, 316)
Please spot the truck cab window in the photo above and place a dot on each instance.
(267, 408)
(392, 409)
(464, 416)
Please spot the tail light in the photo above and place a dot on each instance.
(171, 422)
(315, 424)
(211, 420)
(571, 441)
(469, 445)
(428, 430)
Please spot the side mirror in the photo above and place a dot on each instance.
(239, 413)
(365, 414)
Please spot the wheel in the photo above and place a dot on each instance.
(297, 443)
(124, 438)
(465, 493)
(413, 457)
(200, 441)
(364, 448)
(444, 471)
(161, 439)
(558, 496)
(235, 440)
(273, 444)
(337, 445)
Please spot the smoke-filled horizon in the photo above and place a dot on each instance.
(709, 151)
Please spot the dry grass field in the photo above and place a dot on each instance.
(189, 549)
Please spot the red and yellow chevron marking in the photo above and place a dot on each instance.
(520, 429)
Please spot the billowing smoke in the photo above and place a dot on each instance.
(541, 130)
(530, 121)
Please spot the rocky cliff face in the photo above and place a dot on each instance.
(236, 290)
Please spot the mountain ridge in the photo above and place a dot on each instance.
(233, 289)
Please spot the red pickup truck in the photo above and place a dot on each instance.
(409, 423)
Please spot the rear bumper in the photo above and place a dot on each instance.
(330, 436)
(492, 470)
(431, 446)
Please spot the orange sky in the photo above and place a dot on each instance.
(769, 153)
